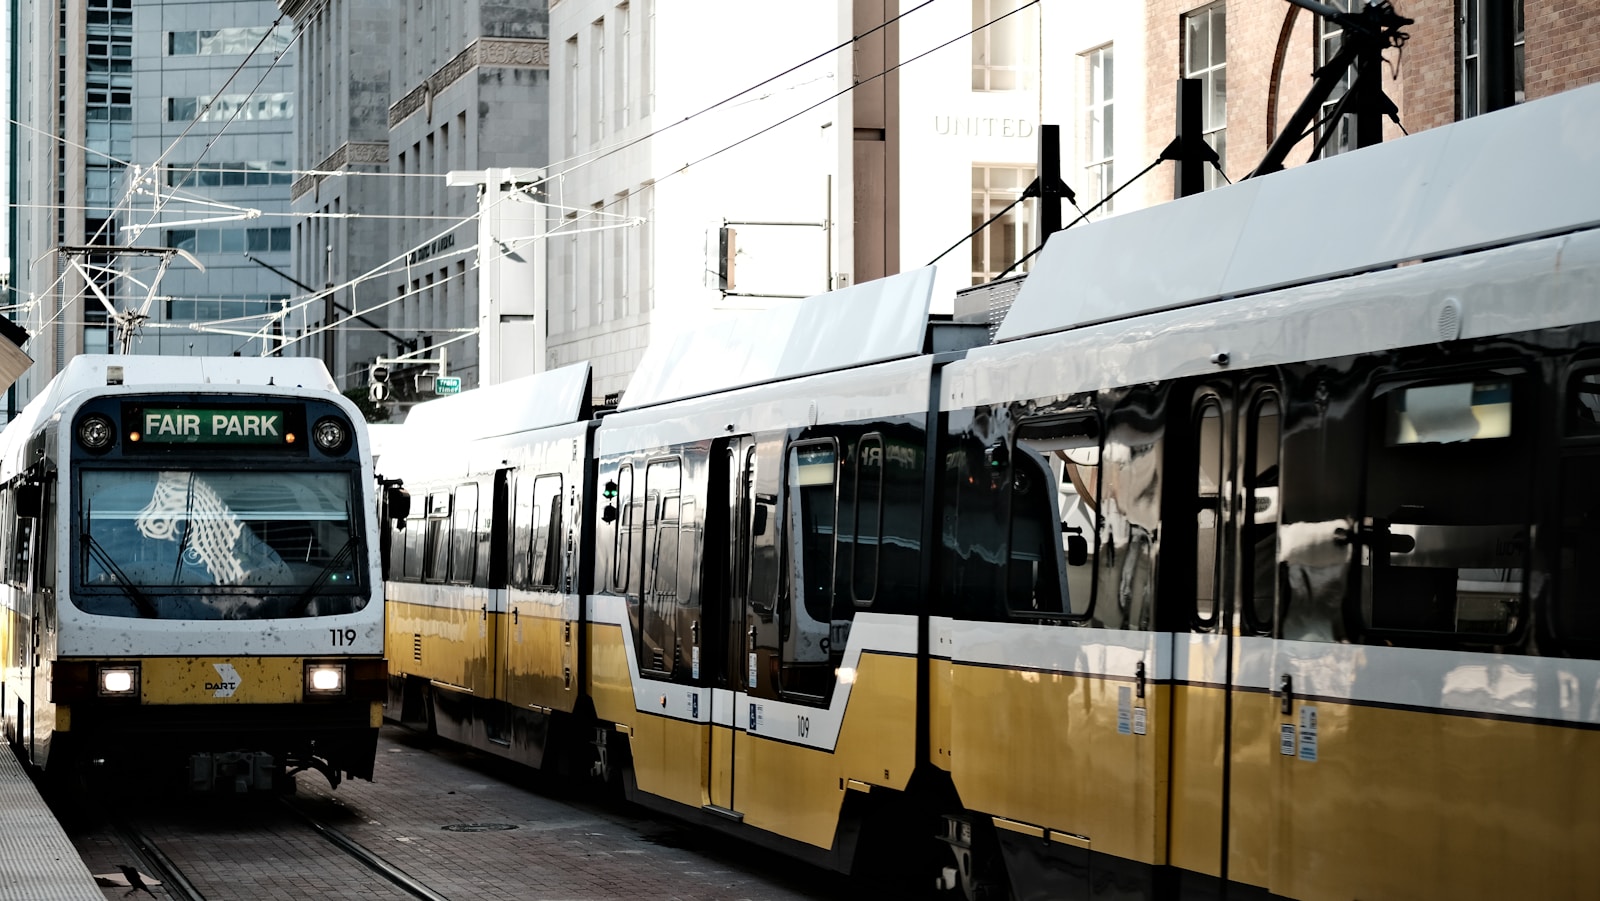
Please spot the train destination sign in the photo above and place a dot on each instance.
(191, 425)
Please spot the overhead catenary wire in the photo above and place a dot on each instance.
(567, 227)
(562, 229)
(199, 116)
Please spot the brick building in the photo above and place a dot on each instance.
(1261, 66)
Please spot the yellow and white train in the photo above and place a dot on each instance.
(190, 580)
(1256, 553)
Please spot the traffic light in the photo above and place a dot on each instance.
(377, 383)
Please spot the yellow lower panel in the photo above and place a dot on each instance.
(609, 683)
(1253, 787)
(797, 791)
(669, 758)
(537, 655)
(449, 645)
(1045, 749)
(222, 680)
(720, 788)
(1406, 804)
(1195, 831)
(939, 694)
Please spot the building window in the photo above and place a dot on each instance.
(1476, 42)
(624, 60)
(1001, 45)
(1205, 56)
(1001, 243)
(229, 41)
(620, 264)
(230, 240)
(599, 268)
(647, 246)
(1098, 174)
(1329, 37)
(244, 107)
(597, 84)
(572, 96)
(252, 173)
(647, 55)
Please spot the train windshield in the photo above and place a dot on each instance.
(210, 544)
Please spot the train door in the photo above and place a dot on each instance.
(732, 466)
(502, 521)
(1221, 777)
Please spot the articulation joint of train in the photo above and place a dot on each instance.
(1266, 569)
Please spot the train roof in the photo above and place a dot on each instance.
(884, 319)
(1512, 175)
(86, 372)
(553, 397)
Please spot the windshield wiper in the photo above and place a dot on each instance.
(345, 553)
(139, 598)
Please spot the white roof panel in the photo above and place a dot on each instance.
(874, 321)
(554, 397)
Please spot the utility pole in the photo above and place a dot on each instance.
(511, 289)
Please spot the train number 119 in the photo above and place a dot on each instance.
(342, 637)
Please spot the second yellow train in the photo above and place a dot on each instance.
(1258, 562)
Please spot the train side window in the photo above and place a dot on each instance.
(437, 566)
(463, 534)
(663, 484)
(547, 507)
(1052, 491)
(522, 525)
(625, 527)
(7, 530)
(21, 542)
(1583, 406)
(813, 486)
(868, 516)
(1259, 547)
(1443, 540)
(813, 495)
(1577, 612)
(1208, 510)
(416, 538)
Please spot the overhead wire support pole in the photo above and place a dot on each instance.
(1366, 34)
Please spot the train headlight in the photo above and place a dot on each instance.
(119, 681)
(325, 679)
(96, 432)
(332, 435)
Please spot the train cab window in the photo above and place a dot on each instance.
(1259, 547)
(868, 520)
(625, 526)
(547, 532)
(463, 534)
(1443, 542)
(1052, 487)
(1577, 596)
(437, 565)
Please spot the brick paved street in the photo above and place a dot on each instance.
(439, 814)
